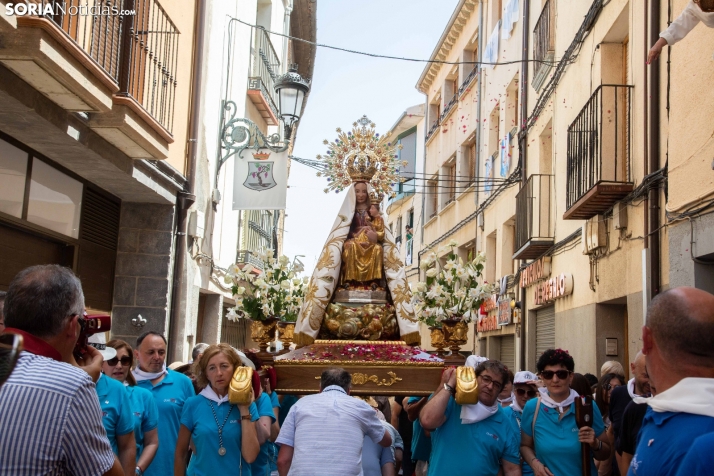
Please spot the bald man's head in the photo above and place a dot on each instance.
(638, 368)
(682, 324)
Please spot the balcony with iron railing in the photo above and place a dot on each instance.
(543, 44)
(129, 50)
(244, 257)
(598, 154)
(434, 127)
(535, 223)
(448, 107)
(265, 68)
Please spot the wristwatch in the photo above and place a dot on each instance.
(449, 389)
(139, 472)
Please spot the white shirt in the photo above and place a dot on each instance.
(685, 22)
(327, 431)
(51, 421)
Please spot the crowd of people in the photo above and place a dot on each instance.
(121, 411)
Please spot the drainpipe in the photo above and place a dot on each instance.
(523, 154)
(654, 153)
(186, 198)
(478, 136)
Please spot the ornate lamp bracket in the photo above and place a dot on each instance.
(239, 134)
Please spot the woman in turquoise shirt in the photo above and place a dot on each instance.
(143, 406)
(552, 445)
(223, 434)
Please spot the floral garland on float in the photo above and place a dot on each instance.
(271, 298)
(451, 297)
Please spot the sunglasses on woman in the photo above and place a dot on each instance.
(126, 360)
(522, 391)
(607, 386)
(548, 374)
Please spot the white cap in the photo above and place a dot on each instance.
(99, 342)
(475, 360)
(525, 377)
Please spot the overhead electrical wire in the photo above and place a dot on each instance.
(377, 55)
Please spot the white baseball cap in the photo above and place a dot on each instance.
(99, 342)
(525, 376)
(475, 360)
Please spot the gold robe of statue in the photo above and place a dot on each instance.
(362, 260)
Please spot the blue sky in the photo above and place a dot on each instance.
(346, 86)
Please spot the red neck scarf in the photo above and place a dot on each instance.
(35, 345)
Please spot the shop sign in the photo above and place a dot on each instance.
(490, 304)
(536, 271)
(504, 312)
(487, 323)
(552, 289)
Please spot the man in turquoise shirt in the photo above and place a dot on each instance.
(170, 391)
(471, 439)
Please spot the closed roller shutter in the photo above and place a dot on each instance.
(508, 352)
(545, 330)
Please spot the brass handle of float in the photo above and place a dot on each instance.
(241, 387)
(466, 386)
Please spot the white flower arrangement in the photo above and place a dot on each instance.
(453, 291)
(276, 291)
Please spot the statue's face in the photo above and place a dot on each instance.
(361, 193)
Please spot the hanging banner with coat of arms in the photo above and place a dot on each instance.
(260, 181)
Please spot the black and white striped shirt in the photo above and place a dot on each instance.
(51, 422)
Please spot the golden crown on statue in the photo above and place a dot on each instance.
(361, 155)
(375, 197)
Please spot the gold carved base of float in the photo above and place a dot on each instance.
(377, 368)
(455, 334)
(263, 332)
(437, 340)
(369, 322)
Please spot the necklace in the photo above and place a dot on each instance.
(221, 449)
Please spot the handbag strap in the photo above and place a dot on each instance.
(535, 415)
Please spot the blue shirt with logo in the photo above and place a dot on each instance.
(664, 439)
(170, 395)
(274, 448)
(117, 416)
(557, 444)
(700, 457)
(261, 465)
(198, 418)
(146, 415)
(421, 443)
(514, 418)
(474, 449)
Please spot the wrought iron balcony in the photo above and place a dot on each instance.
(543, 44)
(449, 106)
(248, 257)
(468, 79)
(598, 165)
(535, 223)
(264, 70)
(434, 127)
(136, 51)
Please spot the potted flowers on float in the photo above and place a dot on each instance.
(450, 297)
(271, 298)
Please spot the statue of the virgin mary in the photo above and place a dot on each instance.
(359, 282)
